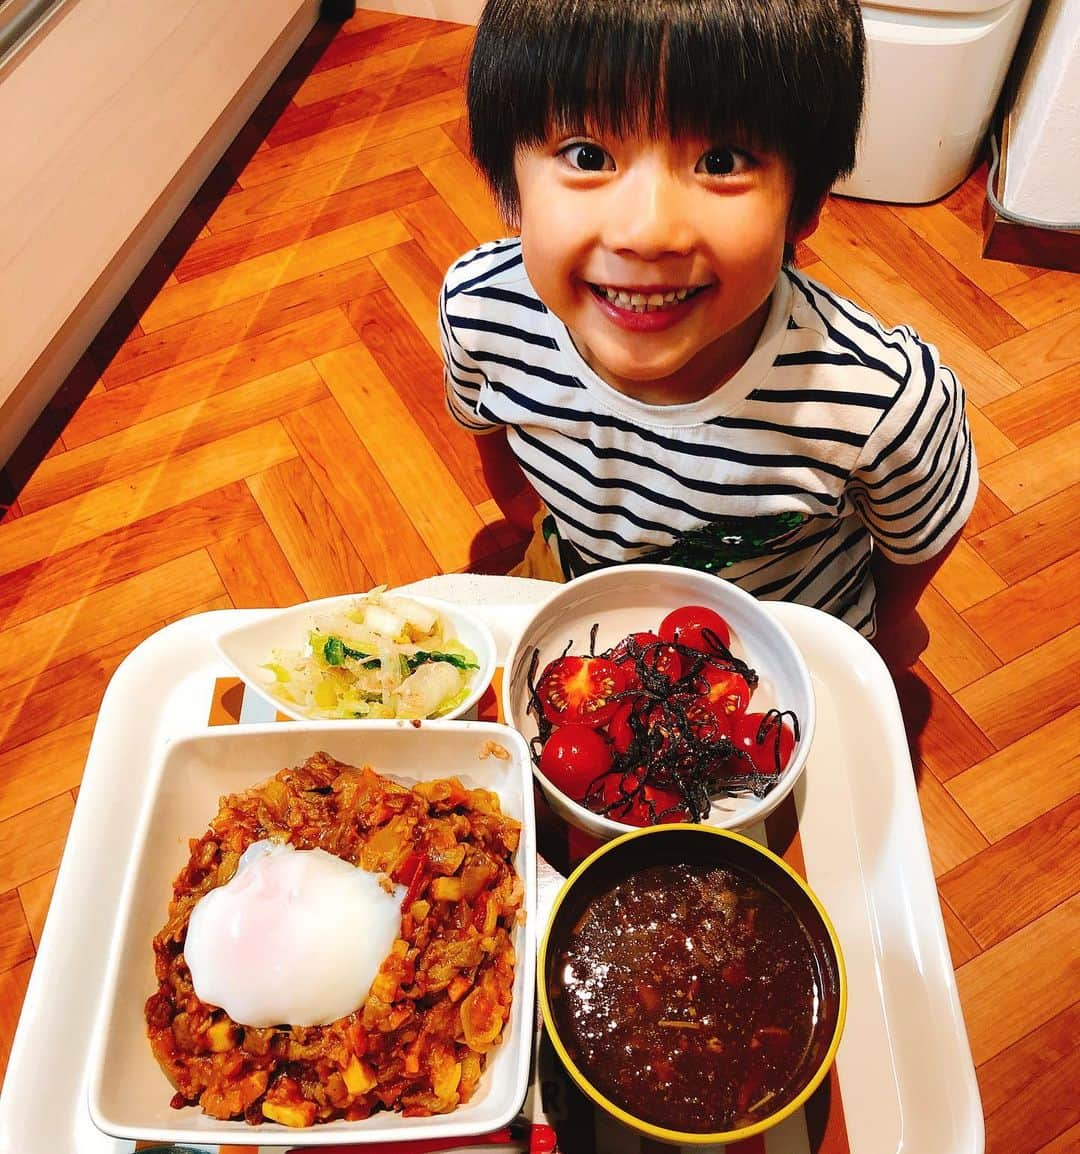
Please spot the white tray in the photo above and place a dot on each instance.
(904, 1066)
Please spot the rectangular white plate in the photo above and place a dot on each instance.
(905, 1067)
(129, 1094)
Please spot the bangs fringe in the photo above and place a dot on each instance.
(680, 77)
(785, 75)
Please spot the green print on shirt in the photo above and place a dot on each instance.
(721, 544)
(710, 548)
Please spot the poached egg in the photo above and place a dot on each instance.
(294, 937)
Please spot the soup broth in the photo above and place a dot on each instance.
(688, 995)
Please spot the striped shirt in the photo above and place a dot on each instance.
(835, 437)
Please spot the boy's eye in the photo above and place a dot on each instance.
(721, 162)
(588, 157)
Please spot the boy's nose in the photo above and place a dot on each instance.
(649, 218)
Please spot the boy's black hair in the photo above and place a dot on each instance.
(786, 75)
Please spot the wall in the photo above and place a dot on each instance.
(1042, 176)
(110, 121)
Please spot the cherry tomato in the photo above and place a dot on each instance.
(614, 790)
(635, 809)
(697, 627)
(579, 690)
(666, 806)
(653, 805)
(572, 757)
(662, 658)
(707, 723)
(726, 691)
(620, 732)
(772, 753)
(661, 727)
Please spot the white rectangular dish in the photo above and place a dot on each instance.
(128, 1093)
(904, 1066)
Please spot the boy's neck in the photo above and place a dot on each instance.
(700, 377)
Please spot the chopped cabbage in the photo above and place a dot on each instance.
(383, 657)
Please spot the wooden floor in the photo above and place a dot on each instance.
(261, 422)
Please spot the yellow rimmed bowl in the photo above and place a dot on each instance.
(617, 862)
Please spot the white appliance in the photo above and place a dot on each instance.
(935, 70)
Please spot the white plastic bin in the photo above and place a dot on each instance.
(935, 70)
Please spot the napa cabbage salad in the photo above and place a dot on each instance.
(385, 656)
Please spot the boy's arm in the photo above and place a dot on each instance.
(899, 587)
(914, 487)
(901, 635)
(509, 487)
(463, 380)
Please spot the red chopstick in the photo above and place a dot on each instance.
(541, 1140)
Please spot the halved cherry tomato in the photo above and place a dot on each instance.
(632, 800)
(772, 753)
(707, 723)
(619, 730)
(662, 658)
(661, 726)
(614, 790)
(666, 806)
(579, 690)
(654, 805)
(696, 627)
(727, 691)
(572, 757)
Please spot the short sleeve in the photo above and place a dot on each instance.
(916, 479)
(462, 377)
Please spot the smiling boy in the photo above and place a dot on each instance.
(643, 360)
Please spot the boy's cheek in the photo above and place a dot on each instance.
(556, 237)
(546, 272)
(548, 202)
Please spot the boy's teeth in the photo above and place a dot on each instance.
(640, 303)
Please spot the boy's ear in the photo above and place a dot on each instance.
(805, 225)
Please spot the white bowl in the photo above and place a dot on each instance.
(634, 598)
(248, 647)
(128, 1093)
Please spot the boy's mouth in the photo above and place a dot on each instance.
(645, 300)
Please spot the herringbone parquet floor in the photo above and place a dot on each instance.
(261, 422)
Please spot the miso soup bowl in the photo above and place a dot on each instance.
(620, 859)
